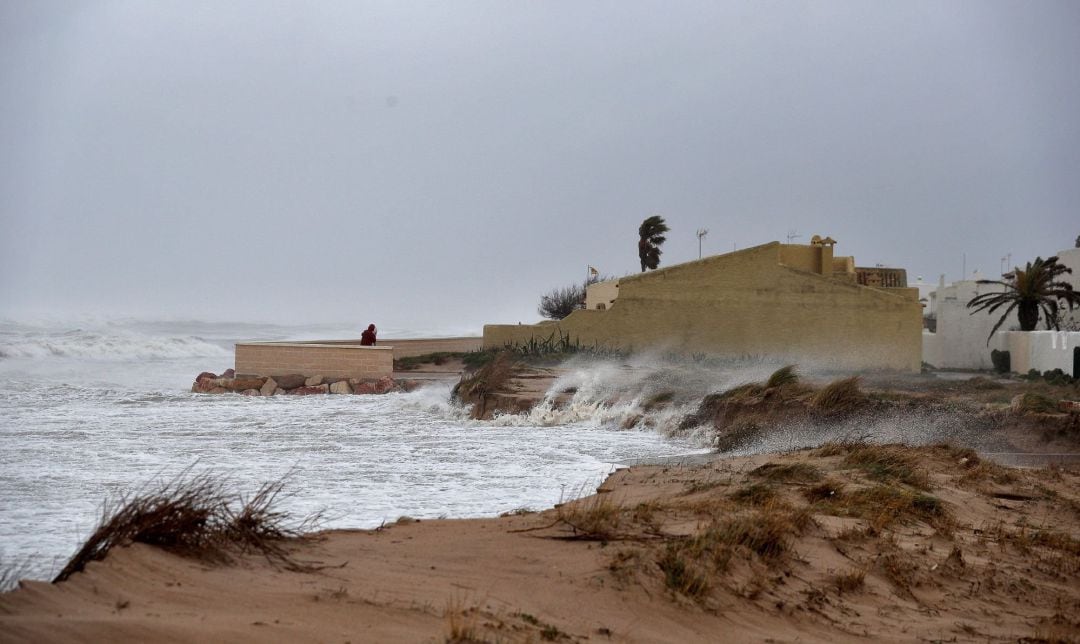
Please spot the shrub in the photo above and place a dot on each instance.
(558, 303)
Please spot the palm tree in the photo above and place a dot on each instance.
(1028, 290)
(651, 236)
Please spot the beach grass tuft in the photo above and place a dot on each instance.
(193, 515)
(839, 396)
(783, 376)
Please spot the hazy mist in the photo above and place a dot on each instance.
(440, 165)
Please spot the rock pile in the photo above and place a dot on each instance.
(290, 384)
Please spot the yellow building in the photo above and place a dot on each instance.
(790, 302)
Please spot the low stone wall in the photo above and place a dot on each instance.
(327, 359)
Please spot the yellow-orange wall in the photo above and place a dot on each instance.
(747, 304)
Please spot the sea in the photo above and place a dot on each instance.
(96, 410)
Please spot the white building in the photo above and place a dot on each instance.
(961, 338)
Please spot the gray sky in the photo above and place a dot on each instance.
(442, 164)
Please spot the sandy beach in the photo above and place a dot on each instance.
(894, 544)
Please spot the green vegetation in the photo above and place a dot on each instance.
(1029, 290)
(471, 359)
(557, 347)
(650, 238)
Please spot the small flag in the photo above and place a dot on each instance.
(593, 272)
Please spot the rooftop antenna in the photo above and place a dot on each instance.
(700, 234)
(792, 234)
(1006, 262)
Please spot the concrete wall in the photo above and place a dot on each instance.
(419, 347)
(314, 358)
(747, 303)
(960, 340)
(1042, 350)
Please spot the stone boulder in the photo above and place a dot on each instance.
(341, 387)
(268, 387)
(203, 383)
(313, 381)
(307, 391)
(251, 392)
(239, 384)
(229, 373)
(380, 386)
(290, 381)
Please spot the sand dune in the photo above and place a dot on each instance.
(897, 544)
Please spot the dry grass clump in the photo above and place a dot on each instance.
(1031, 402)
(754, 494)
(594, 518)
(683, 573)
(888, 463)
(882, 505)
(462, 623)
(783, 376)
(839, 396)
(788, 473)
(835, 448)
(824, 491)
(850, 581)
(690, 565)
(493, 376)
(192, 516)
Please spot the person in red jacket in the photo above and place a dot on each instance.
(367, 338)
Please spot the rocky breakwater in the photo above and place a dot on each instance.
(291, 385)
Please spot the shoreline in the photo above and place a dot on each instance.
(587, 570)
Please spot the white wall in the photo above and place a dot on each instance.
(1043, 350)
(960, 340)
(1071, 259)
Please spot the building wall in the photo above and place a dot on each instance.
(1043, 350)
(311, 359)
(601, 293)
(1071, 259)
(747, 303)
(960, 340)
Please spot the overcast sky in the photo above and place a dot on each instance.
(440, 165)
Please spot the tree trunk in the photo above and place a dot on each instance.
(1028, 312)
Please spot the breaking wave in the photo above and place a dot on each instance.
(106, 344)
(650, 394)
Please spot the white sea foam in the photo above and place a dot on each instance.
(89, 412)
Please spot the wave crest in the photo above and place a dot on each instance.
(116, 345)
